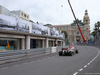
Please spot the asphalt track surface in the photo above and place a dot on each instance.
(87, 62)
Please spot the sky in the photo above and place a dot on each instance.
(56, 12)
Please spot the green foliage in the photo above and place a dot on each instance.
(96, 29)
(99, 30)
(79, 22)
(94, 33)
(66, 35)
(97, 26)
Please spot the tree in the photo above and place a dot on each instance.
(79, 22)
(97, 25)
(65, 33)
(96, 32)
(66, 37)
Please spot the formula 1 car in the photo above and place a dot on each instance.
(68, 51)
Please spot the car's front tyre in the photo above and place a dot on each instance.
(71, 53)
(76, 51)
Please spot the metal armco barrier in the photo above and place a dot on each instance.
(16, 55)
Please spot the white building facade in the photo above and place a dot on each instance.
(17, 33)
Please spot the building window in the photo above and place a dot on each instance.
(57, 28)
(12, 44)
(86, 20)
(77, 32)
(82, 27)
(67, 27)
(83, 33)
(72, 33)
(63, 28)
(24, 15)
(60, 28)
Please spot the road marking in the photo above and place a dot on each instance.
(4, 68)
(85, 66)
(81, 69)
(93, 59)
(75, 73)
(89, 63)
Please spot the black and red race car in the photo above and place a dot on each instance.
(71, 50)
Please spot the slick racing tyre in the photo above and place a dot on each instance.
(60, 53)
(65, 53)
(76, 51)
(71, 53)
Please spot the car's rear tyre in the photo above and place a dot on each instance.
(65, 53)
(60, 53)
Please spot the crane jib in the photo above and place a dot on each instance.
(76, 22)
